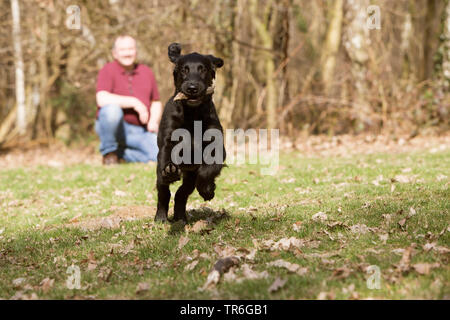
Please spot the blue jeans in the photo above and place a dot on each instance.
(130, 142)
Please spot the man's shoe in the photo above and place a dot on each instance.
(110, 158)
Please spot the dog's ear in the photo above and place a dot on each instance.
(174, 52)
(216, 62)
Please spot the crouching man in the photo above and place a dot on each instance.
(128, 107)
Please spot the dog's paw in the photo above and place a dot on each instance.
(161, 216)
(171, 173)
(207, 191)
(182, 219)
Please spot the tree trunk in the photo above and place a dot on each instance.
(281, 44)
(432, 32)
(332, 42)
(264, 34)
(7, 124)
(445, 77)
(21, 121)
(43, 71)
(405, 47)
(356, 39)
(228, 17)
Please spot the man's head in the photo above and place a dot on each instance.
(124, 51)
(193, 74)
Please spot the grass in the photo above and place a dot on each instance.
(140, 259)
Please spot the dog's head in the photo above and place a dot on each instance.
(194, 75)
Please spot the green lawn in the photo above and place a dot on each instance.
(382, 210)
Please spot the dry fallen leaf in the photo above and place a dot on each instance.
(319, 216)
(277, 285)
(251, 256)
(398, 251)
(92, 263)
(128, 248)
(120, 193)
(329, 235)
(297, 226)
(283, 244)
(326, 296)
(75, 219)
(142, 287)
(425, 268)
(221, 266)
(384, 237)
(200, 226)
(191, 266)
(350, 289)
(336, 224)
(46, 284)
(292, 267)
(401, 178)
(248, 273)
(359, 228)
(230, 275)
(105, 274)
(290, 180)
(327, 261)
(19, 295)
(204, 256)
(322, 295)
(377, 181)
(182, 242)
(18, 282)
(225, 251)
(404, 264)
(212, 280)
(429, 246)
(442, 249)
(341, 273)
(412, 212)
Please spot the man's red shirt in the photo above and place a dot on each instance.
(139, 82)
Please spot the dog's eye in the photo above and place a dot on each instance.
(201, 69)
(185, 70)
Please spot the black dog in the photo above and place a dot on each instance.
(194, 76)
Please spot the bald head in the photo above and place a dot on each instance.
(124, 51)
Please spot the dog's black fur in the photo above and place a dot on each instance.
(193, 74)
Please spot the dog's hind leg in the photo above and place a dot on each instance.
(182, 195)
(163, 202)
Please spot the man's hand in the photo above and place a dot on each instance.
(141, 109)
(152, 126)
(156, 111)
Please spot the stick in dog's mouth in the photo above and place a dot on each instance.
(194, 102)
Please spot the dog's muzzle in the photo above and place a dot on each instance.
(194, 102)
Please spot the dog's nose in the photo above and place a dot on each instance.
(192, 89)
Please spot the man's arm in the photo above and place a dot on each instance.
(104, 98)
(156, 110)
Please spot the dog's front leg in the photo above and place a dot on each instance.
(166, 174)
(206, 176)
(182, 195)
(169, 171)
(207, 173)
(163, 201)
